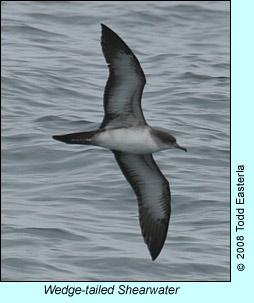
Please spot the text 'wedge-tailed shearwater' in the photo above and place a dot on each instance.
(126, 133)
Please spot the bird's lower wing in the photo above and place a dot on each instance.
(153, 194)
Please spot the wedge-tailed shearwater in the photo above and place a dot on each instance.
(126, 133)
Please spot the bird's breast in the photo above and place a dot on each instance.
(136, 140)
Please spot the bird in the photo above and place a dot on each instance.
(131, 139)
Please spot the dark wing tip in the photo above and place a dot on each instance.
(111, 43)
(104, 26)
(155, 254)
(156, 245)
(154, 232)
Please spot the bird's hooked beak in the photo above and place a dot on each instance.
(180, 147)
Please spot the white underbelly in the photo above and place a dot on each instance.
(134, 140)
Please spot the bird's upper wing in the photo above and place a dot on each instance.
(123, 91)
(152, 191)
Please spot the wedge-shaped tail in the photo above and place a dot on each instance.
(76, 138)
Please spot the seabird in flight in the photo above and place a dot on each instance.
(132, 140)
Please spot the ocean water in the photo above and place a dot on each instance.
(67, 211)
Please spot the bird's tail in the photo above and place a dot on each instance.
(76, 138)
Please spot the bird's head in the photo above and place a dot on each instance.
(167, 140)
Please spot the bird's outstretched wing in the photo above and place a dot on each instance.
(123, 91)
(153, 194)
